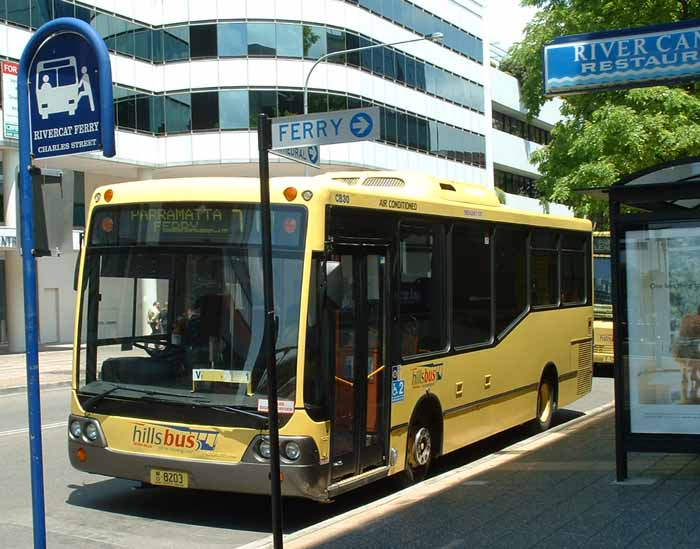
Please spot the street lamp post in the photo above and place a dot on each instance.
(433, 37)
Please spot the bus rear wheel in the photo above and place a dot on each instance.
(546, 405)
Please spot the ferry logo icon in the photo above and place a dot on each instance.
(58, 88)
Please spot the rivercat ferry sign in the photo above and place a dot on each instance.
(645, 56)
(65, 97)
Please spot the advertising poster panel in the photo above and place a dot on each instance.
(663, 303)
(10, 117)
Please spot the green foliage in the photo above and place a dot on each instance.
(604, 136)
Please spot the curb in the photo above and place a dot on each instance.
(23, 388)
(433, 485)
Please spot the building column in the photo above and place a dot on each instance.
(144, 174)
(14, 290)
(10, 163)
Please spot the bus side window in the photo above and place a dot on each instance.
(422, 303)
(471, 284)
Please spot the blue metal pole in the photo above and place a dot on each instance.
(97, 44)
(30, 311)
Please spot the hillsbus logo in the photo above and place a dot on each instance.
(426, 375)
(173, 437)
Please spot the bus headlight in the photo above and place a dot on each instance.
(292, 451)
(76, 429)
(265, 449)
(91, 432)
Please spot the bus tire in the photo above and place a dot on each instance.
(546, 402)
(420, 449)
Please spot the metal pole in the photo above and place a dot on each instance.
(264, 144)
(620, 424)
(30, 311)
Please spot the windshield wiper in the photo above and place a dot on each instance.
(157, 396)
(237, 410)
(89, 404)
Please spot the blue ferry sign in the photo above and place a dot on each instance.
(326, 128)
(64, 97)
(644, 56)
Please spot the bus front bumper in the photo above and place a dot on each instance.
(307, 481)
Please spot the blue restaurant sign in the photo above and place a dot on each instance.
(644, 56)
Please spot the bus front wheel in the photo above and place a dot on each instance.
(419, 453)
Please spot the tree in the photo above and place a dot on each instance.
(604, 136)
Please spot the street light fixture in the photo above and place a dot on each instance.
(433, 37)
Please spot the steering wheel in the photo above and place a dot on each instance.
(161, 349)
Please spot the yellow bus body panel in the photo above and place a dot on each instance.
(603, 352)
(498, 384)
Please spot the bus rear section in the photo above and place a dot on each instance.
(170, 381)
(603, 353)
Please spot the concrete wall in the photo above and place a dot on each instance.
(56, 297)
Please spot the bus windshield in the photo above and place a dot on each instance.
(172, 303)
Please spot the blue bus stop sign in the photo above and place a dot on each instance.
(64, 99)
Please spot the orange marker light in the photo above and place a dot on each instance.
(82, 454)
(109, 194)
(290, 193)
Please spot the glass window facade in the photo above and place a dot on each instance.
(289, 40)
(203, 41)
(238, 109)
(516, 184)
(420, 21)
(232, 39)
(266, 39)
(520, 128)
(262, 39)
(233, 110)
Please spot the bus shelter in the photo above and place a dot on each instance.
(655, 245)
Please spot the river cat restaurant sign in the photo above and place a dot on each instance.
(645, 56)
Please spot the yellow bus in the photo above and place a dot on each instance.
(603, 355)
(413, 316)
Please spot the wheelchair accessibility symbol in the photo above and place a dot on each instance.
(398, 390)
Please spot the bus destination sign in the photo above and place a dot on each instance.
(64, 100)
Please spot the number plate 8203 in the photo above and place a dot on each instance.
(178, 479)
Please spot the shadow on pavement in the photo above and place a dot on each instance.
(252, 513)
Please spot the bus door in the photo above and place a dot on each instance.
(356, 309)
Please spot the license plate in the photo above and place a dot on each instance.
(178, 479)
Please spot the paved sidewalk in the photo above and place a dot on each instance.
(55, 363)
(556, 490)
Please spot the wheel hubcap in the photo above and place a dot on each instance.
(421, 446)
